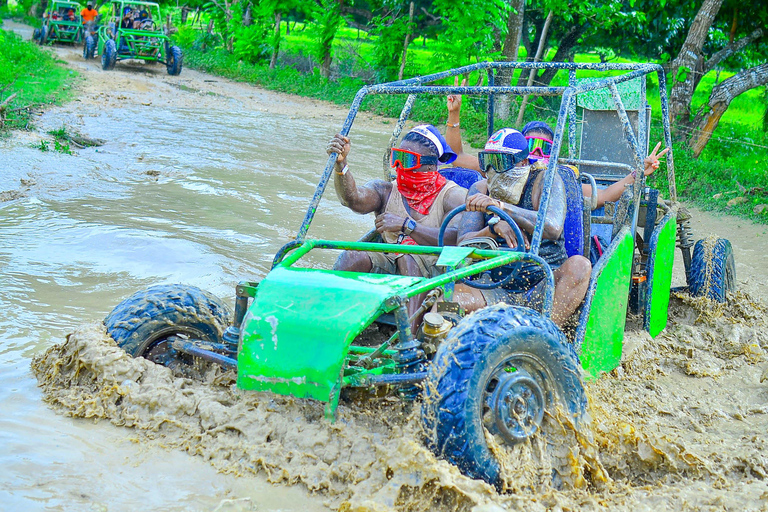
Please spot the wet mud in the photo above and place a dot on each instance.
(678, 426)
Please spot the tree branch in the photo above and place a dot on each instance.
(730, 49)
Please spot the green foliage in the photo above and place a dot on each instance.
(327, 19)
(390, 34)
(468, 29)
(249, 43)
(31, 73)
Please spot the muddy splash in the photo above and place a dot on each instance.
(679, 425)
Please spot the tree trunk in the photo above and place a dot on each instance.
(406, 41)
(532, 74)
(510, 52)
(721, 98)
(564, 53)
(275, 40)
(685, 64)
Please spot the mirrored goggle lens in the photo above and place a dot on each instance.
(539, 146)
(406, 159)
(501, 162)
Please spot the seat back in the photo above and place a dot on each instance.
(573, 229)
(461, 176)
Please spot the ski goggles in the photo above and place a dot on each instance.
(408, 160)
(501, 162)
(538, 146)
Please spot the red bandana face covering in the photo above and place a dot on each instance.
(419, 188)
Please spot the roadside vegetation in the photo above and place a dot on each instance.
(30, 77)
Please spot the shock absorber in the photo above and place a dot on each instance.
(685, 241)
(409, 357)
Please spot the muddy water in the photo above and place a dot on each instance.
(200, 181)
(204, 192)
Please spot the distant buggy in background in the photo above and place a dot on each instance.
(135, 32)
(62, 23)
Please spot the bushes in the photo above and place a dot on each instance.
(32, 74)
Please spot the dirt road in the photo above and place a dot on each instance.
(680, 425)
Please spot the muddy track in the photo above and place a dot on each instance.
(680, 425)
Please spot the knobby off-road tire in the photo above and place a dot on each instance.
(142, 323)
(713, 269)
(500, 369)
(89, 47)
(109, 55)
(174, 59)
(43, 35)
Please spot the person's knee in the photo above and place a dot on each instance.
(353, 262)
(580, 268)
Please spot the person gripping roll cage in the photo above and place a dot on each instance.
(514, 185)
(408, 212)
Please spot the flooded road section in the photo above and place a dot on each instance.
(200, 181)
(189, 187)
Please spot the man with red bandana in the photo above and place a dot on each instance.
(410, 212)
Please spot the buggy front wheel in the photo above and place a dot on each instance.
(506, 370)
(109, 55)
(173, 59)
(143, 324)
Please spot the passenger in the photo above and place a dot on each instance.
(89, 13)
(539, 136)
(127, 21)
(516, 186)
(70, 15)
(409, 213)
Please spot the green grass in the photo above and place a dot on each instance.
(34, 75)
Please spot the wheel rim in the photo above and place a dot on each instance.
(160, 350)
(515, 398)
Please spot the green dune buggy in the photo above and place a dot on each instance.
(505, 370)
(62, 23)
(135, 32)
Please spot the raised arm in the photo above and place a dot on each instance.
(613, 192)
(366, 199)
(453, 132)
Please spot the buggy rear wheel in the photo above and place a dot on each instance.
(713, 269)
(143, 323)
(505, 370)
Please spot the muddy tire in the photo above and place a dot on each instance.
(174, 59)
(43, 35)
(109, 55)
(142, 323)
(36, 35)
(89, 47)
(713, 269)
(504, 369)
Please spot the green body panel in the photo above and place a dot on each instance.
(604, 334)
(601, 99)
(298, 329)
(660, 260)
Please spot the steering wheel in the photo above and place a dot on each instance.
(505, 217)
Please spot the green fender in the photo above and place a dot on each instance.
(297, 331)
(660, 259)
(601, 327)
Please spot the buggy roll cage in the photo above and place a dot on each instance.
(423, 85)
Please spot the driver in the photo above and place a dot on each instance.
(514, 185)
(89, 13)
(409, 213)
